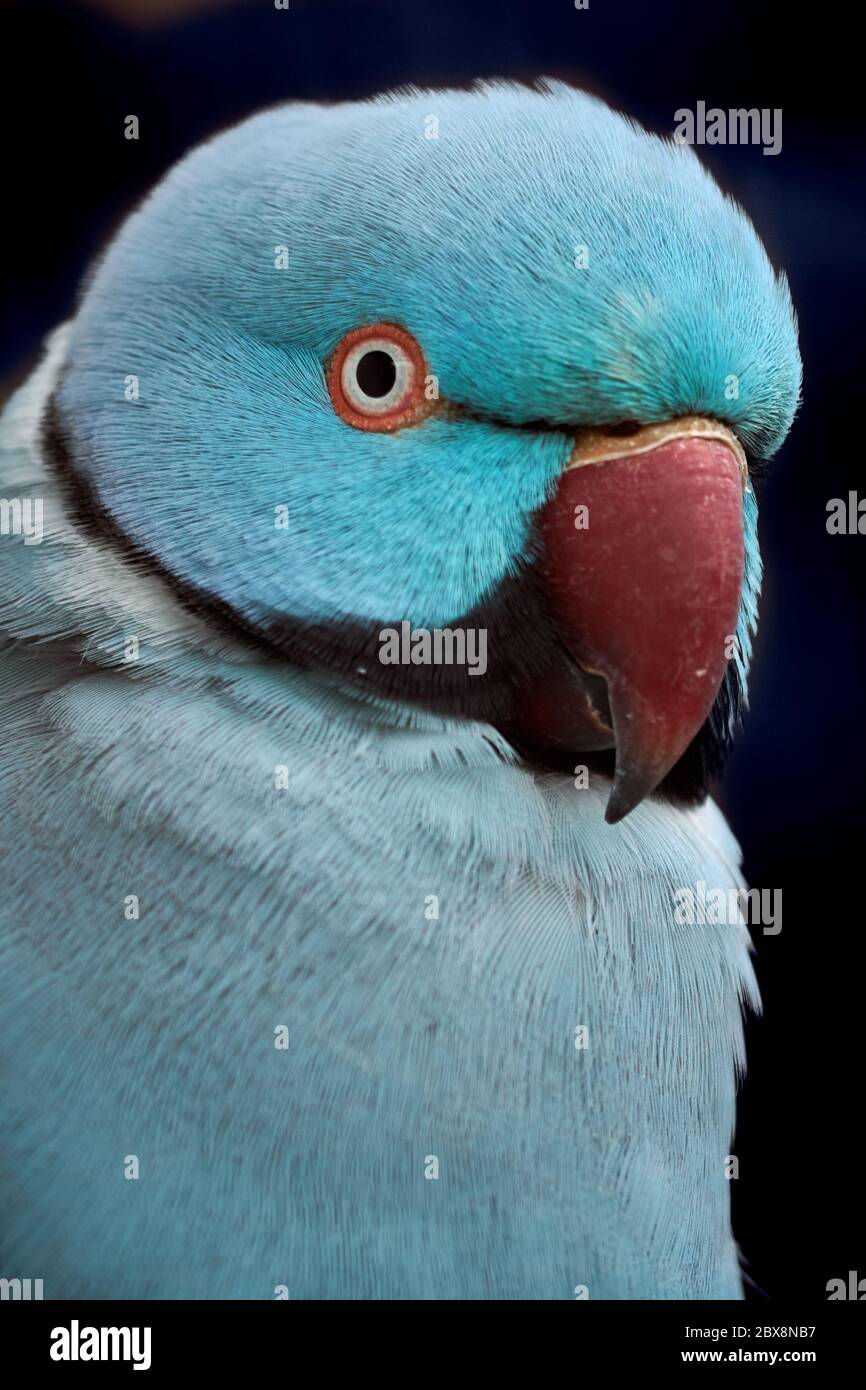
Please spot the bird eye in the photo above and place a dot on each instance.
(376, 378)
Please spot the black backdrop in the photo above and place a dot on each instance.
(794, 789)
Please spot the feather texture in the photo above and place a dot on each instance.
(428, 919)
(305, 907)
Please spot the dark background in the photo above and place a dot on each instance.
(794, 788)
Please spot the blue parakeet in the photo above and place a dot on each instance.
(388, 614)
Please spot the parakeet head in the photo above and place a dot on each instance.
(491, 361)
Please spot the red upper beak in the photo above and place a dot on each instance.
(643, 558)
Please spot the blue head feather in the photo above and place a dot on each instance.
(469, 239)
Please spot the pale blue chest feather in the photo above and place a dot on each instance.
(430, 938)
(312, 907)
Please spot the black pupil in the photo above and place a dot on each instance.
(376, 373)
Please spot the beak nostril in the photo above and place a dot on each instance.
(622, 430)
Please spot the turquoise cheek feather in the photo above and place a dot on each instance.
(748, 623)
(437, 926)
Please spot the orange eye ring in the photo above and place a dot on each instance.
(377, 378)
